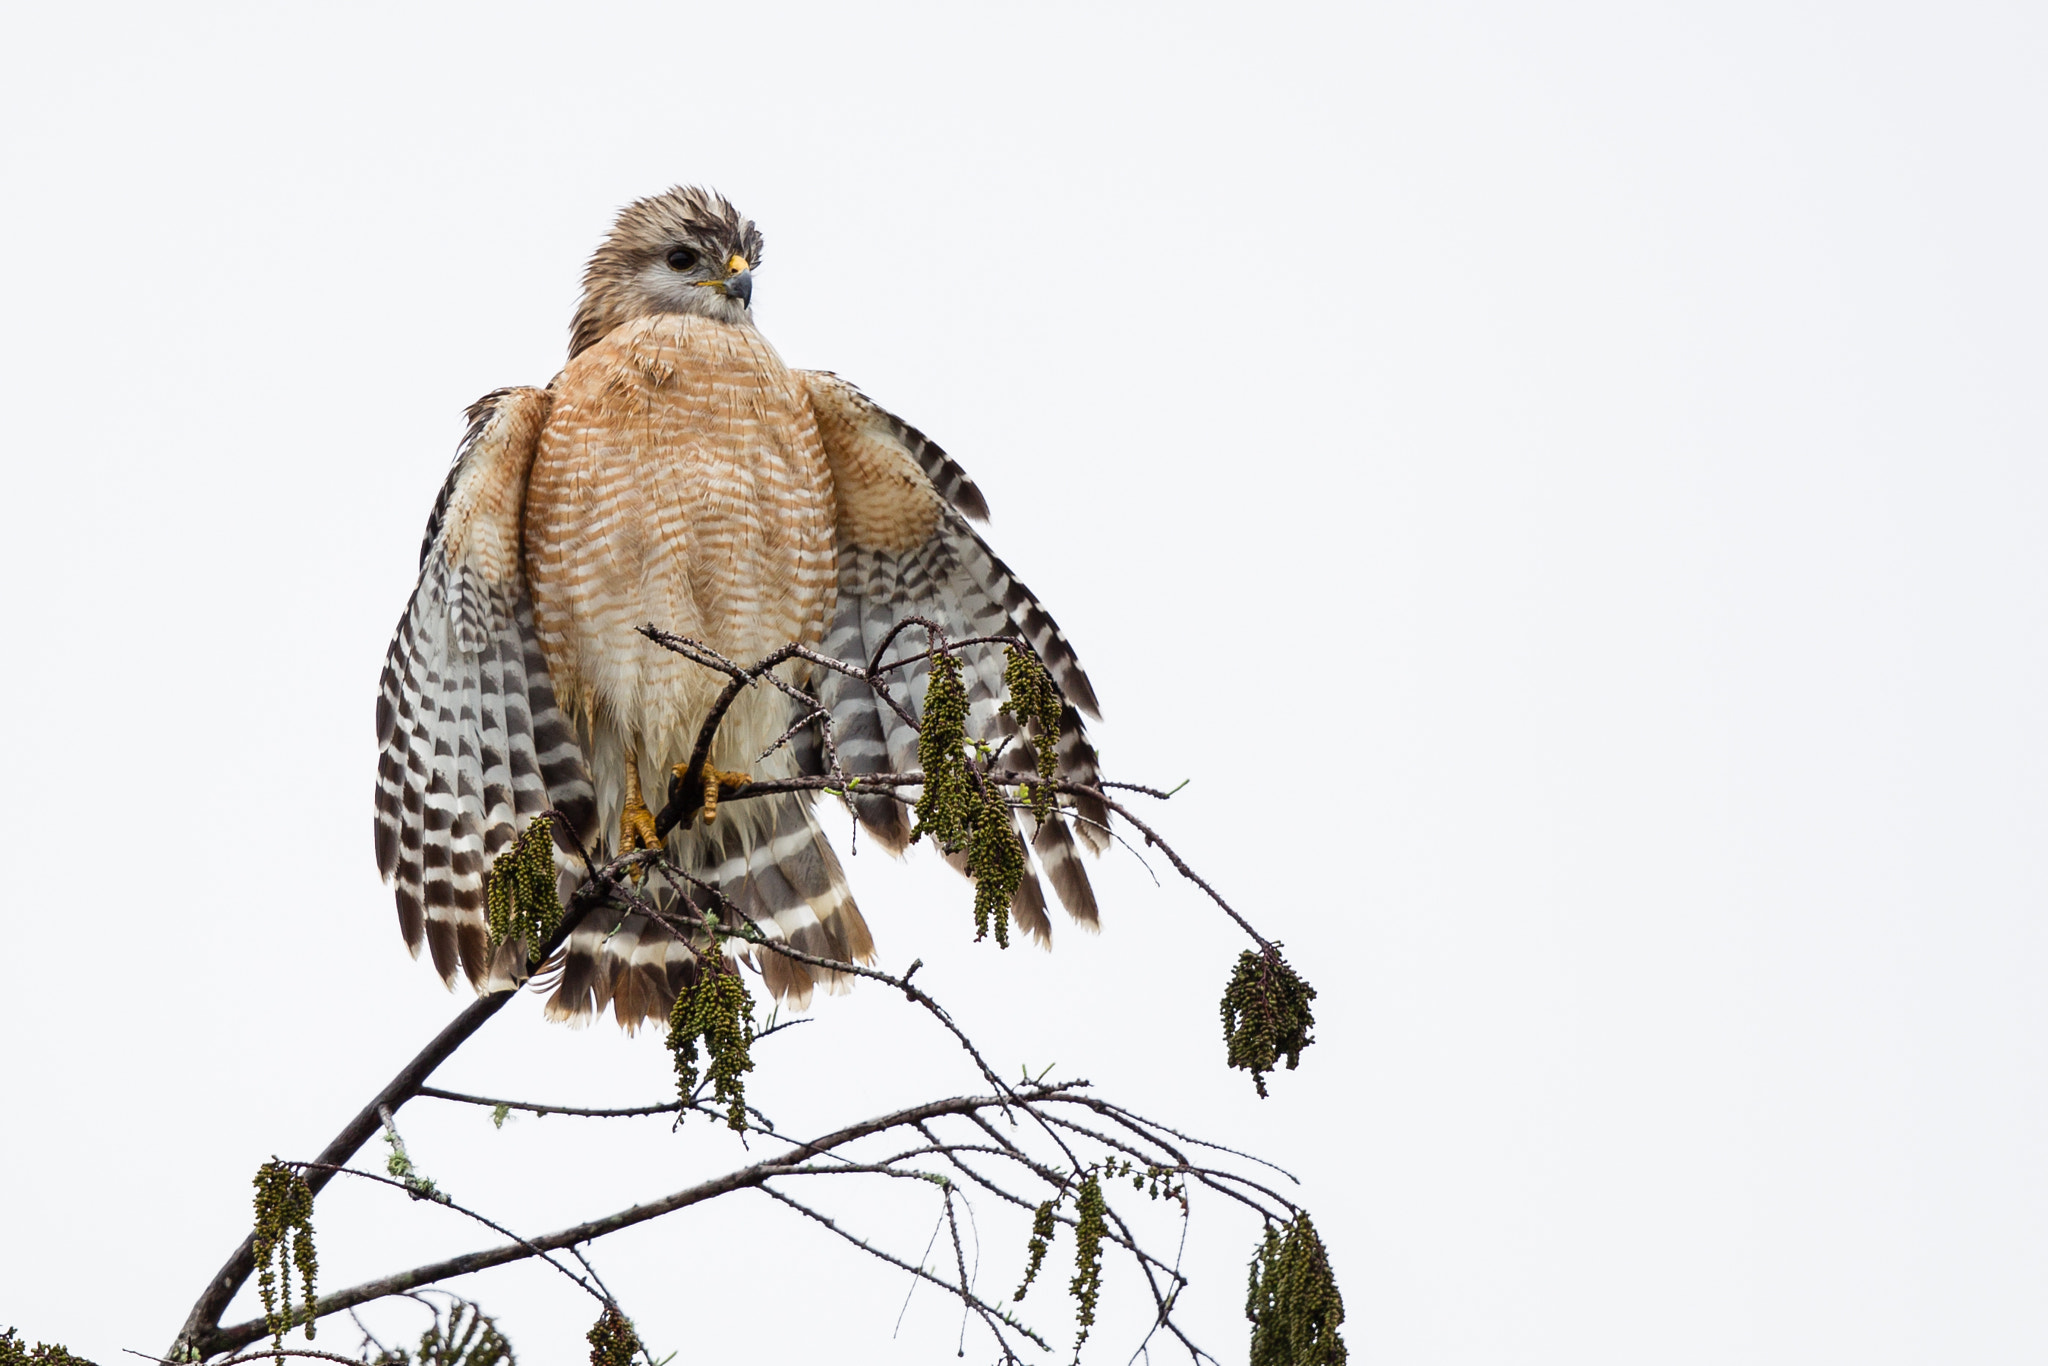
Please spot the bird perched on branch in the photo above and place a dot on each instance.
(677, 473)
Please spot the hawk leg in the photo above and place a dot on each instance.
(688, 799)
(636, 822)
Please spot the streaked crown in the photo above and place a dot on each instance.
(686, 250)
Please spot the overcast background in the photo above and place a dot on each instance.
(1582, 470)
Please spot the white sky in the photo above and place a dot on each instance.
(1602, 452)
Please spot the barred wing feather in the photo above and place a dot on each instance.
(472, 743)
(905, 548)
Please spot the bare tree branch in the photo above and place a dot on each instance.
(791, 1163)
(1127, 1144)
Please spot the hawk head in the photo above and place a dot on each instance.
(683, 251)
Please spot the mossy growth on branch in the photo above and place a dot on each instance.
(1032, 697)
(945, 806)
(400, 1167)
(1266, 1014)
(284, 1239)
(1293, 1301)
(520, 893)
(15, 1352)
(612, 1339)
(718, 1010)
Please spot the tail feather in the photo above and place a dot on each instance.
(1062, 863)
(776, 870)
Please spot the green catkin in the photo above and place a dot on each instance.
(15, 1352)
(499, 901)
(1266, 1015)
(945, 806)
(1041, 1239)
(995, 860)
(1034, 698)
(612, 1339)
(520, 893)
(283, 1240)
(1090, 1226)
(719, 1010)
(470, 1337)
(1293, 1301)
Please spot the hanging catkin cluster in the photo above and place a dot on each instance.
(612, 1339)
(1033, 698)
(521, 892)
(995, 860)
(960, 810)
(719, 1010)
(1293, 1302)
(1266, 1014)
(945, 809)
(15, 1352)
(1041, 1240)
(284, 1239)
(1090, 1224)
(469, 1337)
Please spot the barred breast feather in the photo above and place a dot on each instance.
(680, 481)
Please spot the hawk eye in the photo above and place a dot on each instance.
(682, 258)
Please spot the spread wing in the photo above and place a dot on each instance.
(905, 548)
(472, 742)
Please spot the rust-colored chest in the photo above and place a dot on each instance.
(679, 480)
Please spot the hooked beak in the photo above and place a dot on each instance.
(741, 283)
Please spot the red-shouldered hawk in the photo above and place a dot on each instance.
(678, 473)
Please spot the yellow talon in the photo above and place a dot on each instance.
(636, 822)
(714, 779)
